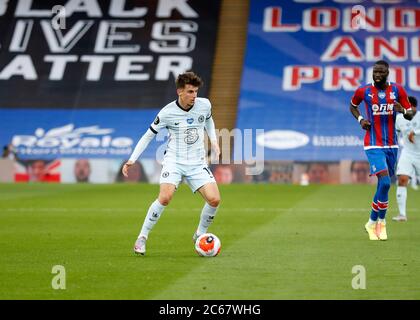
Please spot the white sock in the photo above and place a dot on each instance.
(382, 221)
(402, 199)
(153, 215)
(371, 222)
(206, 218)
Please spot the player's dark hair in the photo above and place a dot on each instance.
(188, 77)
(383, 63)
(413, 101)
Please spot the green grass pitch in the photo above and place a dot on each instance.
(278, 242)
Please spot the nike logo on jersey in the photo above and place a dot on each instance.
(370, 95)
(176, 123)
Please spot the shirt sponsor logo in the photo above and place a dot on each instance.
(383, 109)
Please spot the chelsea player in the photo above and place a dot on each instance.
(186, 118)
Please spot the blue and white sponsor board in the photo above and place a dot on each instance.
(304, 59)
(88, 80)
(48, 134)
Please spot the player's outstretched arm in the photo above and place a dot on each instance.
(211, 132)
(138, 150)
(216, 149)
(125, 168)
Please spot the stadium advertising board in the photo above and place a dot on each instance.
(86, 78)
(304, 59)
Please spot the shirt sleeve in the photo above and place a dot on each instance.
(357, 97)
(403, 98)
(142, 145)
(144, 141)
(210, 127)
(159, 122)
(211, 130)
(209, 115)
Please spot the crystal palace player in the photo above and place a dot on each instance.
(185, 118)
(382, 100)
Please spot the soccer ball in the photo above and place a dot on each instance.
(208, 245)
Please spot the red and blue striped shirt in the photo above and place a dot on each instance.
(380, 113)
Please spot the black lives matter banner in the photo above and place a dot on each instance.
(102, 54)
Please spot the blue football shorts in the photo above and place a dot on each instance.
(382, 159)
